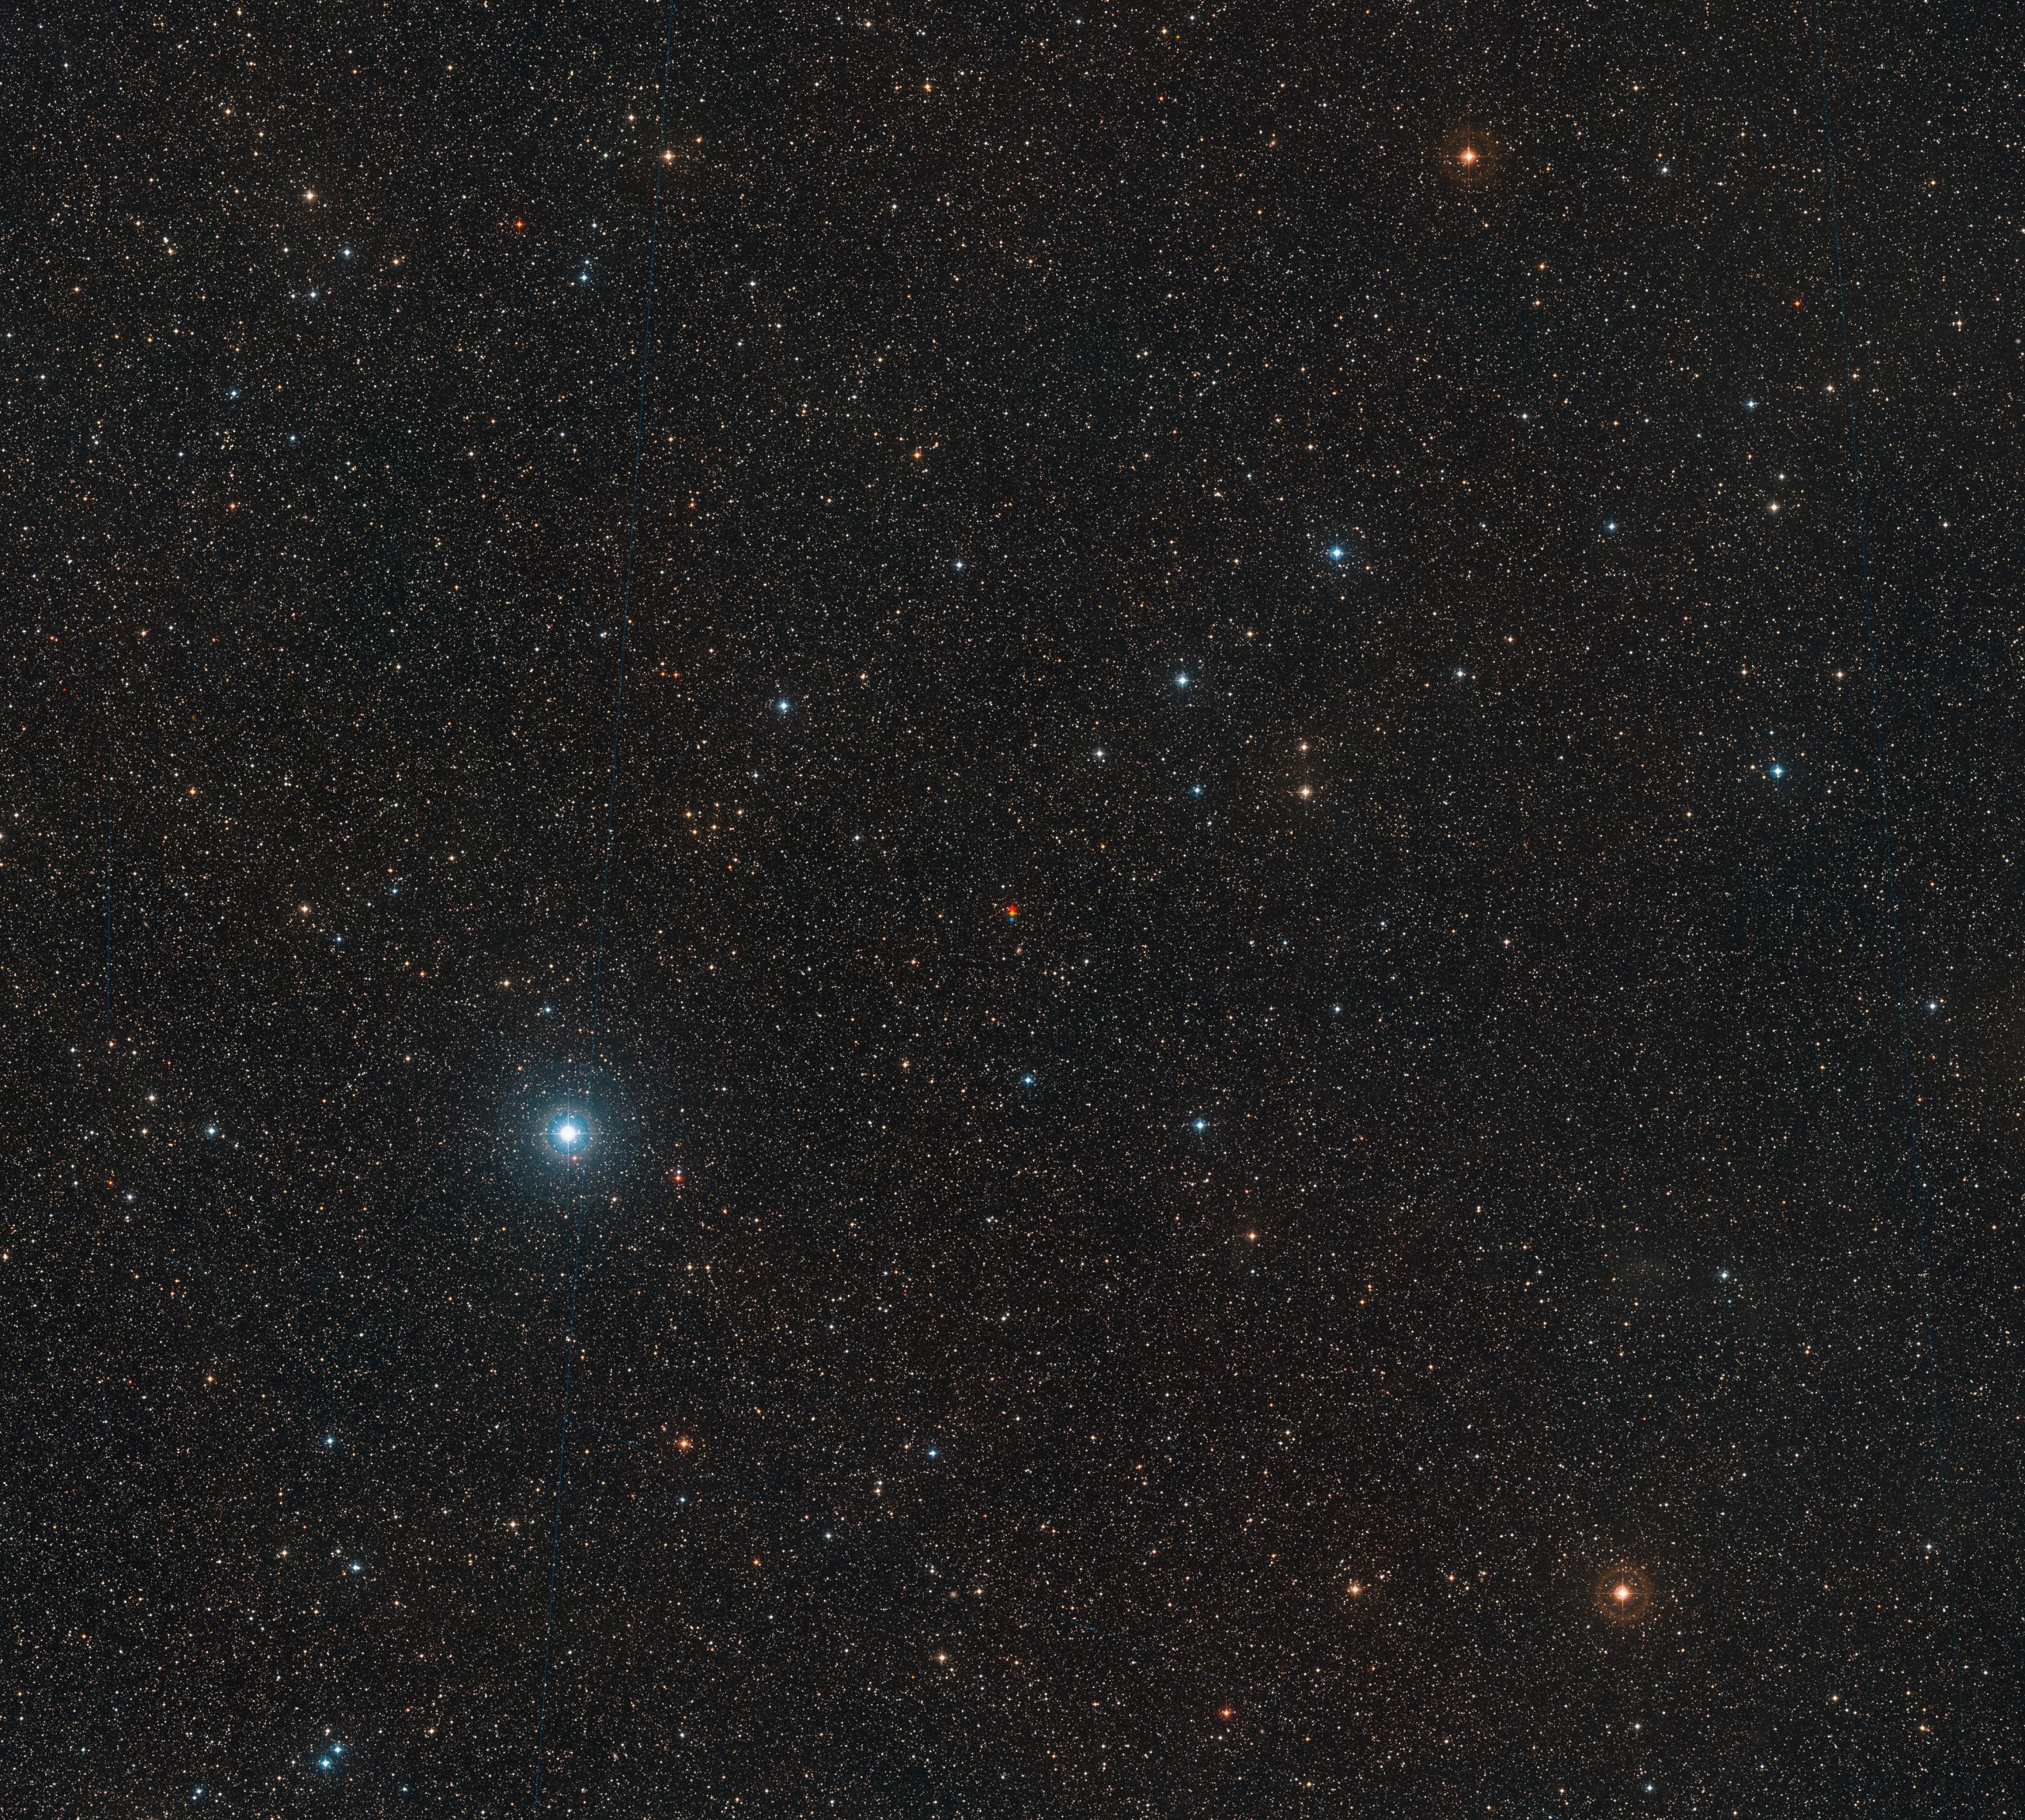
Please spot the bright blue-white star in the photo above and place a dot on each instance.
(1181, 679)
(1337, 553)
(782, 705)
(1198, 1125)
(566, 1134)
(1775, 771)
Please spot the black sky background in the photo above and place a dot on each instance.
(1197, 1345)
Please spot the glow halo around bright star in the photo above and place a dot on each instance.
(564, 1131)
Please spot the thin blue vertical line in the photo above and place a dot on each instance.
(1892, 917)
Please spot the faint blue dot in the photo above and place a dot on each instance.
(1195, 789)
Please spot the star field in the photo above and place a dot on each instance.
(1227, 1131)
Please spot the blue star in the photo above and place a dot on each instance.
(566, 1134)
(330, 1441)
(1026, 1080)
(1195, 789)
(782, 705)
(1776, 770)
(1337, 553)
(1199, 1125)
(1181, 679)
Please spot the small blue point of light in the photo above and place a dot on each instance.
(933, 1453)
(782, 705)
(1195, 789)
(1181, 679)
(330, 1441)
(1026, 1080)
(1610, 527)
(1199, 1125)
(1776, 770)
(1337, 553)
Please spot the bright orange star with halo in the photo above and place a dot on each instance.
(1623, 1593)
(1470, 156)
